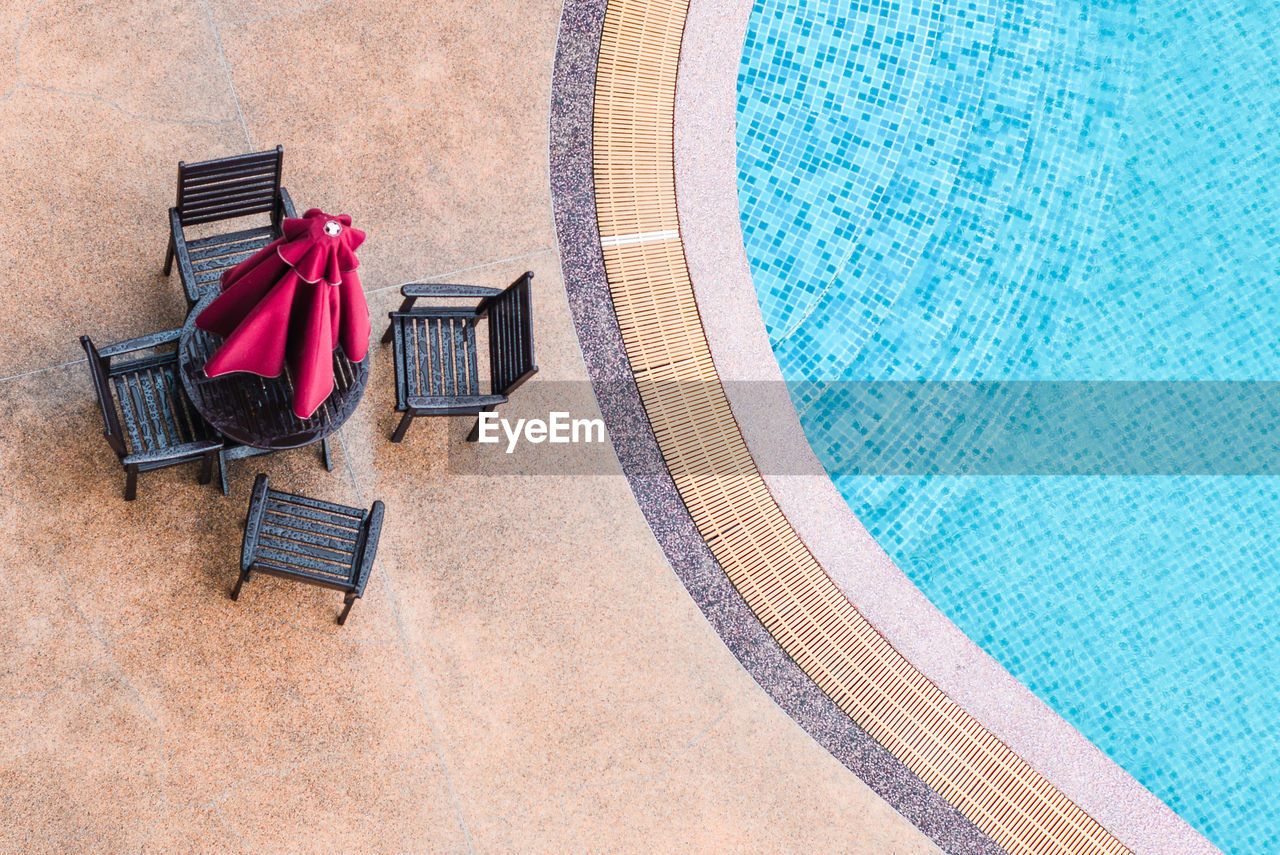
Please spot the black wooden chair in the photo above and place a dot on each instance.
(224, 189)
(316, 542)
(435, 350)
(149, 423)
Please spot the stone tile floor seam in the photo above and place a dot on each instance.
(40, 87)
(17, 47)
(23, 84)
(231, 81)
(413, 666)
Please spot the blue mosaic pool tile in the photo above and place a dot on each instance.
(1046, 190)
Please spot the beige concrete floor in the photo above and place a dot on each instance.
(524, 673)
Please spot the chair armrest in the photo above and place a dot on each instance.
(185, 272)
(253, 522)
(285, 205)
(369, 550)
(102, 391)
(141, 343)
(174, 452)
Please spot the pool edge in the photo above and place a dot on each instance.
(758, 653)
(644, 47)
(710, 224)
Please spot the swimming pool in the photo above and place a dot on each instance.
(1035, 192)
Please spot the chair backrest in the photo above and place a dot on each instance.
(229, 187)
(98, 368)
(510, 315)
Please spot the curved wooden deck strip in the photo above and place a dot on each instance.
(725, 493)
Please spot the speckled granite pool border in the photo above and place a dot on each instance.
(710, 228)
(592, 309)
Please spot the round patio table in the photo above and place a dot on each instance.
(256, 411)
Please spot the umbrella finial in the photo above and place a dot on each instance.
(333, 228)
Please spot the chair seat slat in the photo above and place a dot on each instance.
(321, 579)
(222, 263)
(167, 429)
(151, 410)
(312, 516)
(138, 407)
(187, 427)
(472, 368)
(227, 249)
(293, 513)
(296, 560)
(135, 365)
(421, 356)
(305, 554)
(295, 540)
(435, 338)
(128, 418)
(339, 511)
(231, 237)
(449, 355)
(335, 533)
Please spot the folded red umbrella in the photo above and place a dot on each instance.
(293, 302)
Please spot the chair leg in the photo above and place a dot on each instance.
(206, 466)
(168, 258)
(475, 428)
(235, 592)
(130, 483)
(222, 470)
(328, 455)
(350, 600)
(403, 426)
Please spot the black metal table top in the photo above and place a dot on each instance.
(255, 410)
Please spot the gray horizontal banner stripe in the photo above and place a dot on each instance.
(947, 427)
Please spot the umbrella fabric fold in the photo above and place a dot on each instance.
(292, 303)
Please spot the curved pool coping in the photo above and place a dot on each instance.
(599, 335)
(711, 230)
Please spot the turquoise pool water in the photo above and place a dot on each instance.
(1047, 191)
